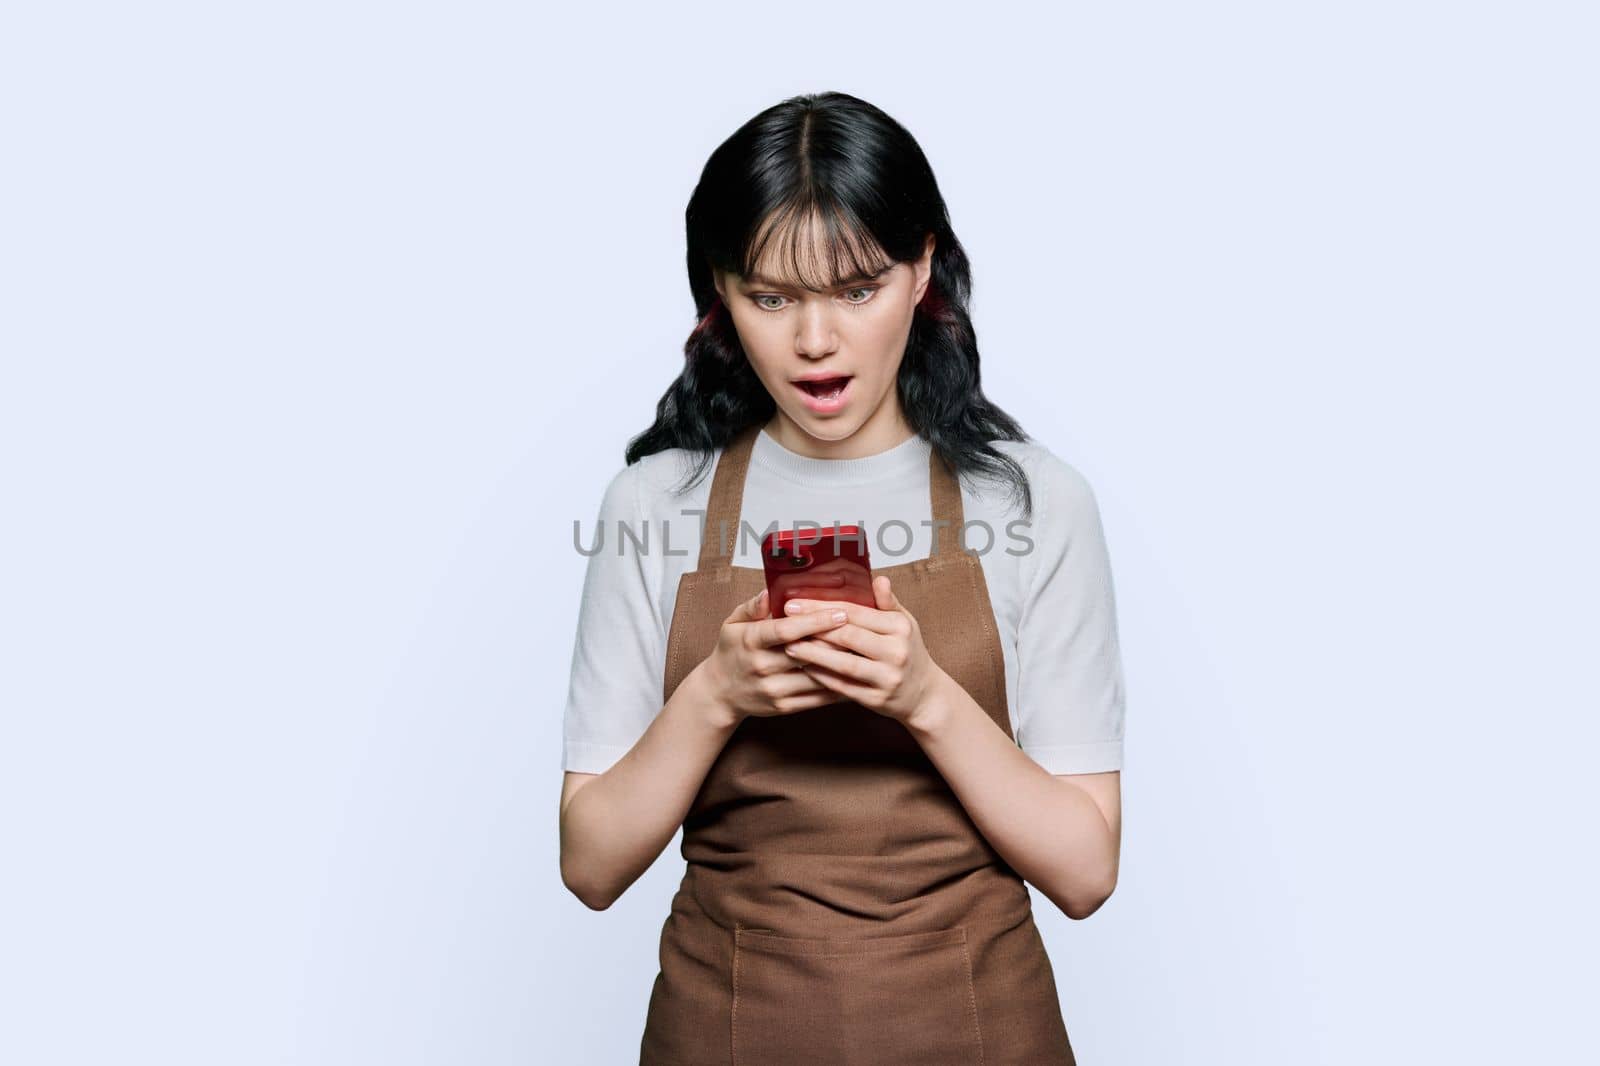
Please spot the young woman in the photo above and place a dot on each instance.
(862, 790)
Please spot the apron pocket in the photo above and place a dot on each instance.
(878, 1001)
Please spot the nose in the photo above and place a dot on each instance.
(815, 336)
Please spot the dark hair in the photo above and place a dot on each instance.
(837, 160)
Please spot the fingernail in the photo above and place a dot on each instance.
(796, 606)
(839, 616)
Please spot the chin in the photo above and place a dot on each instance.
(830, 429)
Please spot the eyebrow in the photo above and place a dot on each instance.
(761, 279)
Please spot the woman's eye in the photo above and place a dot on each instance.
(854, 297)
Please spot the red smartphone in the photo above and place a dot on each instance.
(817, 564)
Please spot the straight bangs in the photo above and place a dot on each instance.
(813, 244)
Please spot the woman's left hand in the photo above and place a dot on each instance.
(876, 657)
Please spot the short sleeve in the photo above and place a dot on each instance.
(1070, 695)
(614, 691)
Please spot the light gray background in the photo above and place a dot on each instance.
(322, 322)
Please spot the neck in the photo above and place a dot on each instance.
(884, 429)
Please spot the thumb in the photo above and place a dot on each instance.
(883, 592)
(752, 610)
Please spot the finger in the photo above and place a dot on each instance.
(866, 617)
(846, 663)
(844, 686)
(766, 661)
(793, 627)
(884, 594)
(806, 701)
(809, 598)
(793, 682)
(861, 641)
(751, 610)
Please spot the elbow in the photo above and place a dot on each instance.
(1081, 909)
(595, 902)
(576, 874)
(1086, 903)
(589, 895)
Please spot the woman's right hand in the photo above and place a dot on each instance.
(749, 671)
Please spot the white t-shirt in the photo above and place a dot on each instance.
(1049, 584)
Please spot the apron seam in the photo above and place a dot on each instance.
(972, 997)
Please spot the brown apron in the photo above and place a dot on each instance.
(839, 906)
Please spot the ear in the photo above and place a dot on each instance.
(721, 285)
(924, 268)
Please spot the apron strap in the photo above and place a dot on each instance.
(726, 502)
(945, 490)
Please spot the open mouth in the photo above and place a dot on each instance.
(825, 388)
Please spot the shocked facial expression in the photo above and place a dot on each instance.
(829, 354)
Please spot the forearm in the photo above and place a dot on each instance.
(615, 826)
(1049, 830)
